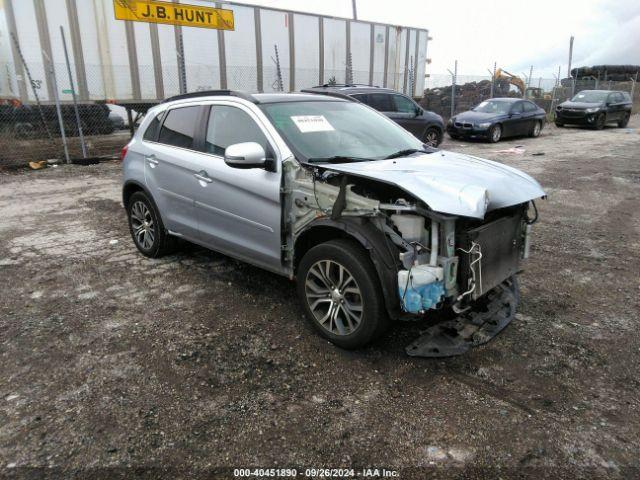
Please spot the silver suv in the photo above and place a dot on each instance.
(371, 223)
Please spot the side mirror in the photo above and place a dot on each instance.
(245, 155)
(418, 111)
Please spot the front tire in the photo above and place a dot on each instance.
(600, 122)
(625, 121)
(340, 293)
(559, 124)
(146, 227)
(495, 133)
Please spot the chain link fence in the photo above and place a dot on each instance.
(30, 130)
(30, 126)
(448, 94)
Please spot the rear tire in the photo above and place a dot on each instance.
(340, 293)
(535, 131)
(625, 121)
(559, 124)
(432, 137)
(146, 227)
(495, 133)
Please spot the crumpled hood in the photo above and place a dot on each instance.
(451, 183)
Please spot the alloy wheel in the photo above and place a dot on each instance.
(334, 297)
(431, 138)
(496, 133)
(536, 129)
(142, 225)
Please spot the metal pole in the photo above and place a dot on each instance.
(355, 11)
(56, 96)
(570, 56)
(73, 94)
(454, 74)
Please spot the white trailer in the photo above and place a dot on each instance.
(128, 62)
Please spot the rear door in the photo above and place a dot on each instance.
(406, 114)
(170, 163)
(531, 116)
(239, 211)
(616, 106)
(516, 124)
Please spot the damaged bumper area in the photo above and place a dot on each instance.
(460, 260)
(476, 326)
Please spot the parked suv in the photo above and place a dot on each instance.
(424, 125)
(329, 192)
(595, 108)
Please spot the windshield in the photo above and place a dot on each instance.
(590, 97)
(493, 106)
(326, 129)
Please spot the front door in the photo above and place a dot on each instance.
(238, 210)
(170, 163)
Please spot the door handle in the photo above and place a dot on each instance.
(202, 175)
(152, 160)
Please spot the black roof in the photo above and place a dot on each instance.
(506, 99)
(348, 89)
(257, 97)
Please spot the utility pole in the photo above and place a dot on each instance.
(355, 11)
(73, 93)
(454, 77)
(570, 56)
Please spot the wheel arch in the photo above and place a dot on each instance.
(383, 252)
(132, 186)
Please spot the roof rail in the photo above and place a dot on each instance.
(327, 85)
(209, 93)
(329, 93)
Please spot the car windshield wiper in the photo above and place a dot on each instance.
(338, 159)
(408, 151)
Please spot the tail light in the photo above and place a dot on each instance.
(123, 152)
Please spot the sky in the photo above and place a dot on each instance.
(516, 34)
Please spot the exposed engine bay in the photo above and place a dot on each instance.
(441, 262)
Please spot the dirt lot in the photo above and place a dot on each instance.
(111, 361)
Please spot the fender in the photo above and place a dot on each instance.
(383, 253)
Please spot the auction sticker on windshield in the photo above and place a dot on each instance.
(312, 123)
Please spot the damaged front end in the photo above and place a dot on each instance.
(457, 265)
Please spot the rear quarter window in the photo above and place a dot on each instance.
(151, 133)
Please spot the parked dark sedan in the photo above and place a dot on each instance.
(498, 118)
(595, 108)
(423, 124)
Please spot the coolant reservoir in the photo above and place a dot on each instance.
(411, 226)
(420, 288)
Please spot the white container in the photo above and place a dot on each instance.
(420, 275)
(411, 226)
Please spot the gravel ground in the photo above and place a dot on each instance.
(112, 363)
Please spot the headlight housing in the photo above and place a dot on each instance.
(483, 125)
(592, 110)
